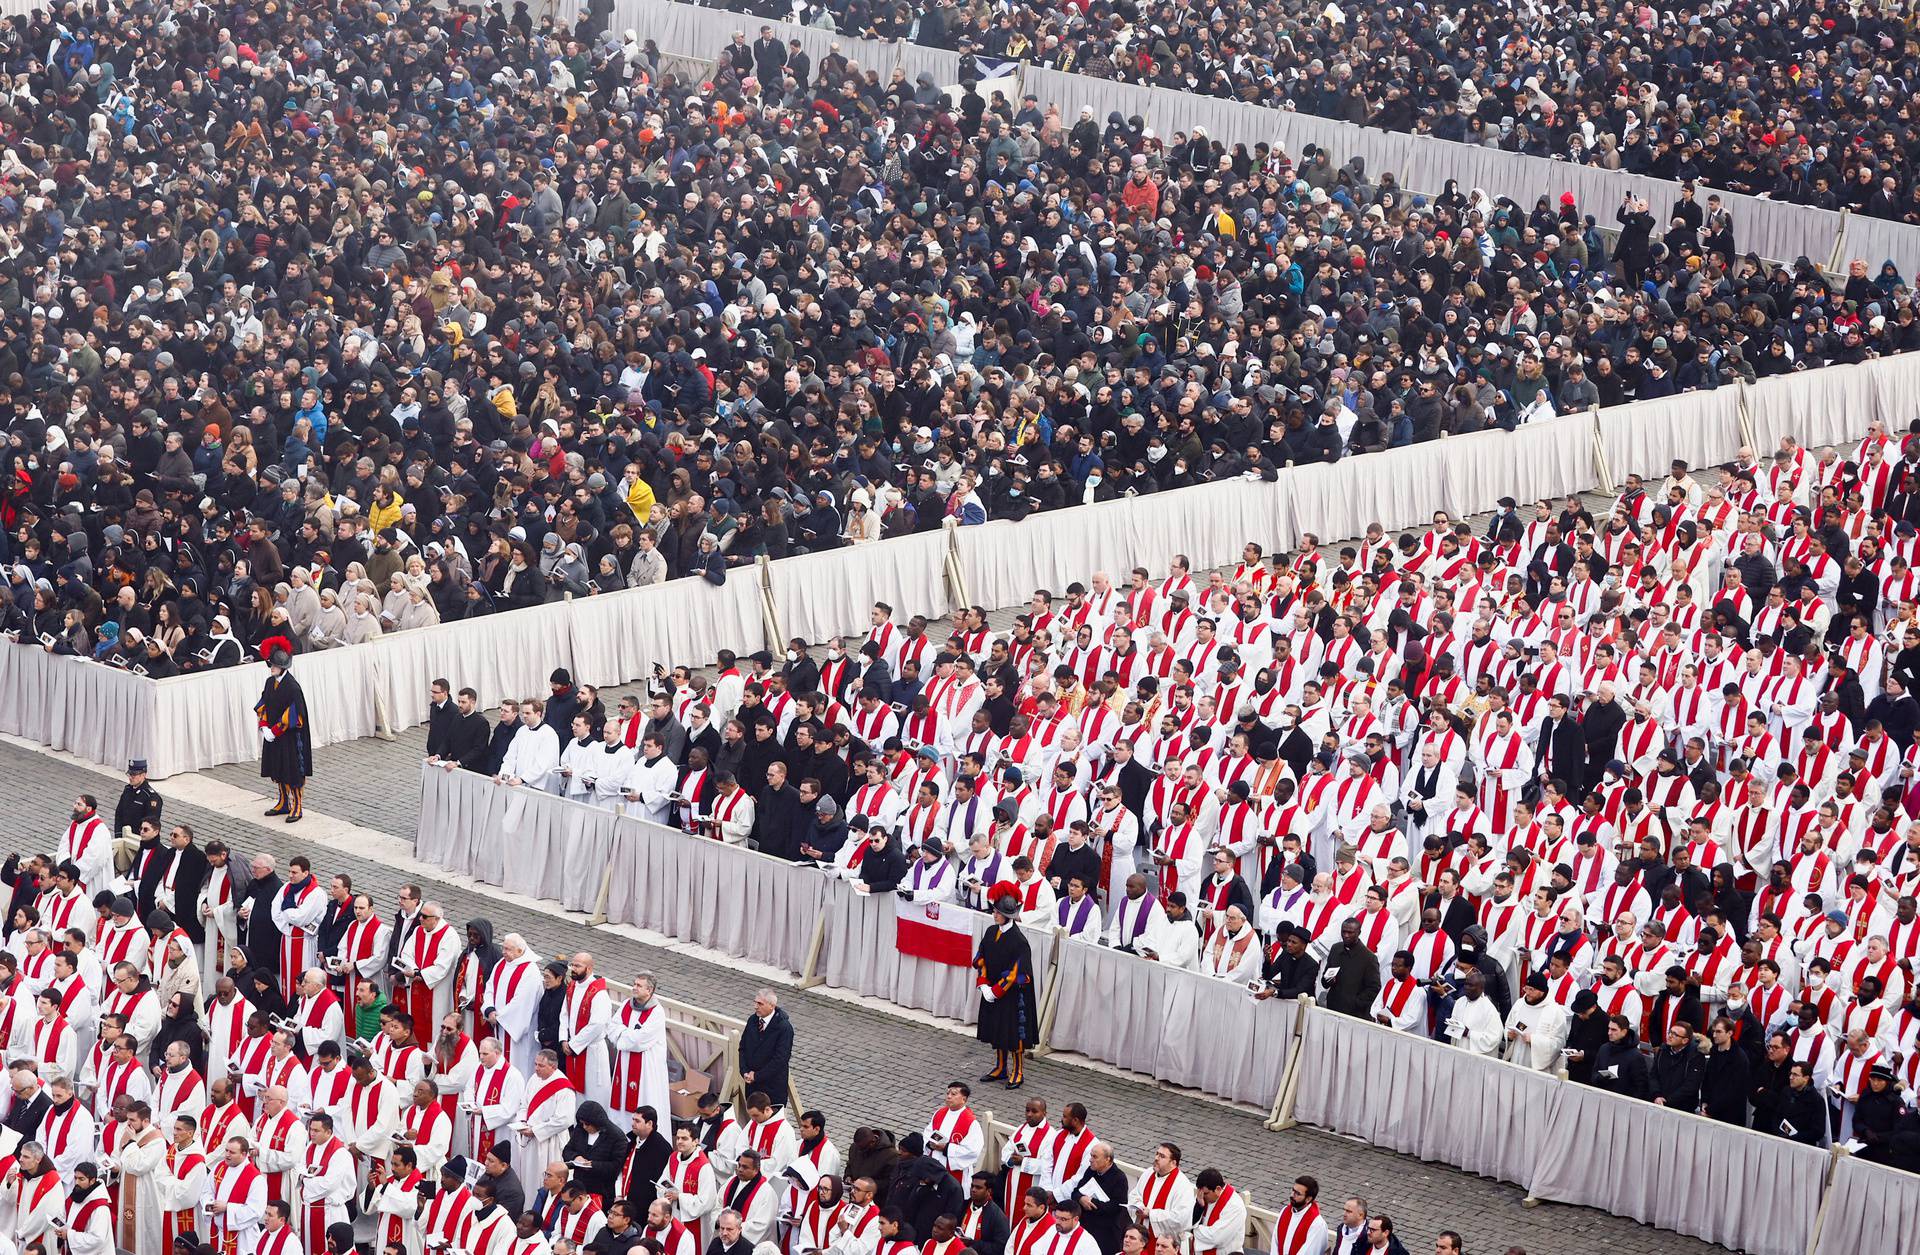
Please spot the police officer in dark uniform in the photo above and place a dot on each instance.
(138, 801)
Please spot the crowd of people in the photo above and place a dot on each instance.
(324, 324)
(215, 1057)
(1799, 101)
(1630, 796)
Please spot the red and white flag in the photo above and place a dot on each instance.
(941, 932)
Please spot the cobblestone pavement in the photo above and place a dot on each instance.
(850, 1056)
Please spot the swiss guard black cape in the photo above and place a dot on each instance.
(1005, 964)
(288, 758)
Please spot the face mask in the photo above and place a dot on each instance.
(793, 655)
(1156, 454)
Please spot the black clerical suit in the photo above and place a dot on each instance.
(469, 741)
(1290, 974)
(173, 880)
(766, 1051)
(646, 1160)
(989, 1226)
(1353, 979)
(258, 936)
(1563, 753)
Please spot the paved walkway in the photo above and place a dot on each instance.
(851, 1057)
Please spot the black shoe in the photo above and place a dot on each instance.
(293, 818)
(1016, 1084)
(995, 1075)
(278, 810)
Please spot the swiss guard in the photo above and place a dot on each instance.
(286, 736)
(1003, 970)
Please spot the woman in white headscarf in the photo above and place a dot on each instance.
(363, 624)
(418, 611)
(303, 603)
(227, 650)
(330, 625)
(395, 600)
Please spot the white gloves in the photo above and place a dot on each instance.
(266, 734)
(987, 995)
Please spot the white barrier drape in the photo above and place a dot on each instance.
(75, 705)
(207, 719)
(721, 896)
(1871, 1210)
(516, 838)
(1819, 407)
(456, 809)
(829, 594)
(1700, 428)
(618, 637)
(1896, 391)
(1567, 1143)
(1680, 1172)
(725, 897)
(1413, 1095)
(1549, 458)
(1181, 1027)
(1108, 1007)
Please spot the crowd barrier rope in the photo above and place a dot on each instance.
(191, 723)
(1562, 1142)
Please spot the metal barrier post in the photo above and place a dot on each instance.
(1835, 1154)
(1839, 244)
(382, 713)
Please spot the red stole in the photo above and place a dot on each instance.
(361, 935)
(489, 1094)
(275, 1137)
(229, 1184)
(395, 1226)
(426, 951)
(577, 1063)
(962, 1124)
(173, 1223)
(554, 1085)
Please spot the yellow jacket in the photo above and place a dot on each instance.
(382, 516)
